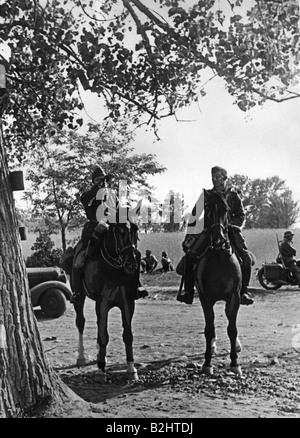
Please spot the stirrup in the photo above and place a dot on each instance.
(246, 300)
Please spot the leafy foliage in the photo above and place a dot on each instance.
(61, 172)
(268, 202)
(142, 58)
(44, 255)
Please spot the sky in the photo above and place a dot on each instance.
(214, 131)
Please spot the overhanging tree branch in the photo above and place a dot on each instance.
(169, 30)
(275, 99)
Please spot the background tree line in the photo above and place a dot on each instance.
(58, 177)
(268, 202)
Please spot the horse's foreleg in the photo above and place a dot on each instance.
(231, 310)
(102, 310)
(80, 323)
(127, 311)
(101, 376)
(210, 336)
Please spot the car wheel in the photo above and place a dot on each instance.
(53, 303)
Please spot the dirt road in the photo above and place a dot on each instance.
(169, 346)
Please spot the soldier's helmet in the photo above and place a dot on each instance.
(288, 234)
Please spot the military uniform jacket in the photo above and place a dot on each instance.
(236, 213)
(90, 203)
(287, 251)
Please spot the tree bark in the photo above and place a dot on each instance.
(26, 378)
(63, 238)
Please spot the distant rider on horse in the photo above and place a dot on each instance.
(94, 230)
(195, 243)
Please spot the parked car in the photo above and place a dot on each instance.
(50, 289)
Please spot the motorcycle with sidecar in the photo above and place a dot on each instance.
(273, 275)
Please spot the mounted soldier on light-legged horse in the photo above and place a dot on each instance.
(100, 204)
(106, 268)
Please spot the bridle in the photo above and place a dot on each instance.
(219, 239)
(118, 260)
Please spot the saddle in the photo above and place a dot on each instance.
(190, 247)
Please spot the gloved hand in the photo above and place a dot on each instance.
(99, 230)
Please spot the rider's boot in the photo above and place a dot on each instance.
(141, 292)
(246, 299)
(77, 295)
(187, 294)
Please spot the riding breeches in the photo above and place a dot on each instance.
(239, 244)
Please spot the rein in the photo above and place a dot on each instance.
(223, 234)
(114, 262)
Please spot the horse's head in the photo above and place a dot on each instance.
(217, 221)
(119, 249)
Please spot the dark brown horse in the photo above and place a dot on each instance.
(110, 279)
(219, 278)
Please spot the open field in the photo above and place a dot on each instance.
(262, 242)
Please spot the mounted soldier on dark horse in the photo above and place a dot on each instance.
(197, 237)
(217, 261)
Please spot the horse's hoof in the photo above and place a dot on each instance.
(101, 376)
(237, 370)
(131, 371)
(238, 345)
(208, 370)
(81, 362)
(132, 375)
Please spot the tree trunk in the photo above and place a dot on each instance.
(26, 379)
(63, 238)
